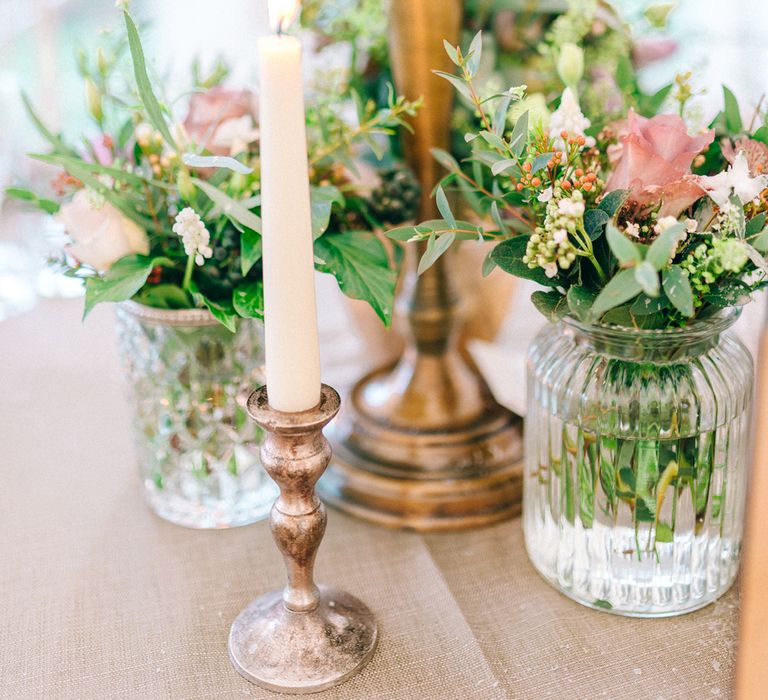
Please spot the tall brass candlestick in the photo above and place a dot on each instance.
(305, 638)
(423, 444)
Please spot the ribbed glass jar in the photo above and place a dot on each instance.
(635, 472)
(198, 450)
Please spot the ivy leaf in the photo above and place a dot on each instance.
(248, 300)
(648, 278)
(594, 221)
(231, 207)
(360, 264)
(647, 306)
(626, 252)
(148, 99)
(195, 161)
(164, 296)
(250, 250)
(678, 290)
(552, 304)
(444, 208)
(663, 248)
(732, 113)
(612, 202)
(728, 293)
(519, 138)
(508, 255)
(126, 277)
(436, 246)
(623, 287)
(580, 301)
(322, 200)
(223, 312)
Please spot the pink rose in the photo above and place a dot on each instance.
(209, 111)
(654, 163)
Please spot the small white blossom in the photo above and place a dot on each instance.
(632, 229)
(569, 117)
(550, 269)
(194, 235)
(735, 180)
(517, 92)
(664, 223)
(546, 195)
(560, 236)
(121, 4)
(691, 225)
(571, 207)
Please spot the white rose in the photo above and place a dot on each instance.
(100, 233)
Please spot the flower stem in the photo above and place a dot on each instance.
(188, 273)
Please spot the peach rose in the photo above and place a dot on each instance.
(213, 114)
(654, 162)
(100, 233)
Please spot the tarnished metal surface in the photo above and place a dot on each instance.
(305, 638)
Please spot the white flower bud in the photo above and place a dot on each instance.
(570, 64)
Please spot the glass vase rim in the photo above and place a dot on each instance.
(168, 317)
(698, 328)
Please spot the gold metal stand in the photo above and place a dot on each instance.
(303, 639)
(423, 444)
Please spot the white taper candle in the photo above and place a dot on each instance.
(292, 348)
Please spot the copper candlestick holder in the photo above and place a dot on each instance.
(305, 638)
(423, 444)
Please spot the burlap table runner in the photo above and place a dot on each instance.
(100, 599)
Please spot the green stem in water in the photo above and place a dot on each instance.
(188, 272)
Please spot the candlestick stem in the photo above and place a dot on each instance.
(305, 638)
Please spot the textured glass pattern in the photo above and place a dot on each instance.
(636, 448)
(189, 378)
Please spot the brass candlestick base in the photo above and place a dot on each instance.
(424, 445)
(303, 639)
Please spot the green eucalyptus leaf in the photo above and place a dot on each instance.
(452, 52)
(760, 242)
(540, 162)
(626, 252)
(755, 225)
(445, 159)
(619, 290)
(505, 164)
(678, 290)
(230, 207)
(519, 138)
(663, 248)
(612, 201)
(459, 84)
(408, 233)
(500, 115)
(761, 135)
(647, 306)
(196, 161)
(444, 207)
(497, 219)
(508, 255)
(436, 246)
(360, 264)
(474, 54)
(580, 301)
(489, 264)
(552, 304)
(493, 140)
(648, 278)
(594, 223)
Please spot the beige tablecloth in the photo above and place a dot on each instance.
(100, 599)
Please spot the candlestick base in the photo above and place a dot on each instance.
(302, 652)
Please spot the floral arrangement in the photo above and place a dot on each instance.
(165, 210)
(630, 221)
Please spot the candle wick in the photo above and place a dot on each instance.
(280, 26)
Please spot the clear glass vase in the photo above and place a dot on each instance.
(635, 471)
(198, 450)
